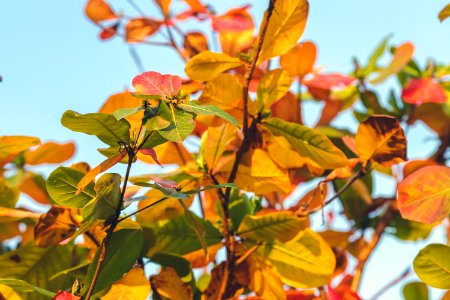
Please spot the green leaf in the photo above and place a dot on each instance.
(122, 113)
(25, 287)
(177, 236)
(409, 230)
(415, 291)
(304, 262)
(281, 225)
(62, 188)
(105, 126)
(310, 143)
(194, 107)
(181, 265)
(107, 198)
(35, 265)
(182, 123)
(432, 265)
(197, 226)
(123, 249)
(375, 56)
(239, 208)
(8, 194)
(153, 140)
(169, 192)
(146, 97)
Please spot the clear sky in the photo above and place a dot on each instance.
(51, 61)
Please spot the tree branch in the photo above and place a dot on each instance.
(144, 208)
(390, 284)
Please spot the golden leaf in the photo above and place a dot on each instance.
(50, 153)
(99, 10)
(169, 285)
(133, 286)
(300, 60)
(207, 65)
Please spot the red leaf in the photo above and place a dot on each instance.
(154, 83)
(108, 32)
(151, 152)
(321, 85)
(61, 295)
(236, 19)
(423, 90)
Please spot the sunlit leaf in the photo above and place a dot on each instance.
(288, 108)
(182, 123)
(121, 101)
(10, 145)
(8, 194)
(123, 249)
(194, 107)
(322, 86)
(99, 10)
(285, 27)
(154, 83)
(194, 43)
(207, 65)
(216, 140)
(423, 90)
(11, 214)
(433, 266)
(50, 153)
(281, 226)
(424, 196)
(300, 60)
(402, 55)
(133, 286)
(138, 29)
(272, 87)
(224, 91)
(415, 291)
(105, 126)
(310, 143)
(62, 188)
(169, 285)
(178, 263)
(24, 287)
(444, 13)
(381, 139)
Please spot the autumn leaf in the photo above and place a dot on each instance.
(108, 32)
(11, 145)
(99, 10)
(423, 90)
(272, 87)
(444, 13)
(207, 65)
(194, 43)
(322, 86)
(50, 153)
(285, 27)
(169, 285)
(381, 139)
(300, 60)
(154, 83)
(138, 29)
(288, 108)
(424, 196)
(124, 100)
(133, 286)
(433, 266)
(402, 55)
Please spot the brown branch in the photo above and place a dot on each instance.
(144, 208)
(370, 247)
(390, 284)
(114, 222)
(92, 238)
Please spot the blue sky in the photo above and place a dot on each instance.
(51, 61)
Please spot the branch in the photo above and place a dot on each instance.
(113, 225)
(144, 208)
(390, 284)
(370, 247)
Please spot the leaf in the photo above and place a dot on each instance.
(122, 101)
(181, 265)
(375, 56)
(25, 287)
(154, 83)
(133, 286)
(123, 249)
(272, 87)
(224, 91)
(236, 19)
(300, 60)
(304, 262)
(62, 188)
(183, 123)
(107, 198)
(214, 143)
(12, 214)
(8, 194)
(169, 285)
(99, 10)
(444, 13)
(55, 226)
(167, 208)
(11, 145)
(424, 196)
(176, 236)
(197, 226)
(35, 265)
(280, 225)
(33, 185)
(194, 107)
(310, 143)
(415, 291)
(50, 153)
(207, 65)
(423, 90)
(102, 167)
(409, 230)
(285, 27)
(105, 126)
(325, 86)
(402, 55)
(139, 29)
(195, 42)
(123, 113)
(433, 266)
(381, 139)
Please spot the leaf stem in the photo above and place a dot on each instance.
(144, 208)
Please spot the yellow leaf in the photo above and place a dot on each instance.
(312, 200)
(50, 153)
(57, 225)
(216, 141)
(403, 54)
(444, 13)
(285, 27)
(12, 145)
(272, 87)
(11, 214)
(300, 60)
(224, 91)
(99, 10)
(169, 285)
(199, 260)
(283, 154)
(234, 42)
(207, 65)
(133, 286)
(381, 139)
(105, 165)
(8, 293)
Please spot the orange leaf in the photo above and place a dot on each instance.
(50, 153)
(12, 145)
(109, 32)
(424, 196)
(423, 90)
(138, 29)
(300, 60)
(105, 165)
(403, 54)
(414, 165)
(194, 43)
(236, 19)
(287, 108)
(99, 10)
(34, 186)
(124, 100)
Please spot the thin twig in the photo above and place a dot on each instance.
(137, 60)
(141, 209)
(390, 284)
(248, 253)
